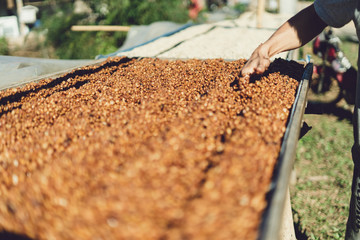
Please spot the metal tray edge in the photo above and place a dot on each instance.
(273, 214)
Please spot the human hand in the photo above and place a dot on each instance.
(257, 63)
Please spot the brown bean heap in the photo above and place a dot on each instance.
(141, 149)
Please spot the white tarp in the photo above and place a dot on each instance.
(15, 71)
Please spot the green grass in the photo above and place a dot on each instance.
(320, 198)
(324, 168)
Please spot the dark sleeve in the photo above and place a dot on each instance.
(335, 13)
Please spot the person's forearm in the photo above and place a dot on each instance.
(296, 32)
(284, 39)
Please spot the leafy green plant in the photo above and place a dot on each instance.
(241, 7)
(4, 48)
(68, 44)
(138, 12)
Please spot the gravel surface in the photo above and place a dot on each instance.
(163, 44)
(220, 42)
(229, 39)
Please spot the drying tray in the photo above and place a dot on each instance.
(270, 226)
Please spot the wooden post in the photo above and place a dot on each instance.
(10, 4)
(19, 6)
(259, 13)
(108, 28)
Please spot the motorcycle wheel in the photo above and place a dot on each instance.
(325, 88)
(349, 85)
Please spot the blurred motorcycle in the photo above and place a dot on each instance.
(213, 5)
(335, 76)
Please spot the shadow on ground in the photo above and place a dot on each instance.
(315, 107)
(299, 233)
(4, 235)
